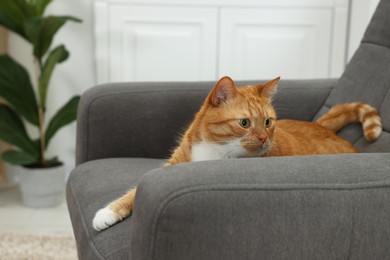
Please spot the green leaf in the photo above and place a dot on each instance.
(16, 88)
(14, 13)
(39, 5)
(12, 131)
(41, 30)
(18, 157)
(66, 115)
(58, 55)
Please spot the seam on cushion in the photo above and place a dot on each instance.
(357, 140)
(83, 223)
(325, 101)
(251, 186)
(306, 88)
(324, 105)
(363, 138)
(375, 44)
(384, 96)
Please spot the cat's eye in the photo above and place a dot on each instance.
(267, 122)
(244, 123)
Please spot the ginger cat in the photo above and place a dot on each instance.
(238, 122)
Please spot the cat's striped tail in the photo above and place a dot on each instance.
(341, 115)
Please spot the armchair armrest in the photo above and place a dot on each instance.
(145, 119)
(311, 207)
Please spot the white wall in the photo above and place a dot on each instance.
(72, 77)
(361, 12)
(77, 74)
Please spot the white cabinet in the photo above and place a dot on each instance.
(162, 43)
(171, 40)
(271, 42)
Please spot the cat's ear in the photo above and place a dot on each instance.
(269, 89)
(222, 91)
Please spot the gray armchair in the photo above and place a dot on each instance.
(308, 207)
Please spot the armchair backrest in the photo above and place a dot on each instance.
(134, 119)
(367, 79)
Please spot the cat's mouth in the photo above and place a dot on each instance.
(256, 148)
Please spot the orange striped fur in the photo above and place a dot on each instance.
(344, 114)
(241, 122)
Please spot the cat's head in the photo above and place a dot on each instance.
(241, 119)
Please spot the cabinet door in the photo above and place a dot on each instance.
(265, 43)
(149, 43)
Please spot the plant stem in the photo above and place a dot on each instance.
(41, 114)
(42, 134)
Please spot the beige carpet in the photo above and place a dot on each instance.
(32, 247)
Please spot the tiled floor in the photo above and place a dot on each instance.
(17, 218)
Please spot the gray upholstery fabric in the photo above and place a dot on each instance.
(311, 207)
(91, 186)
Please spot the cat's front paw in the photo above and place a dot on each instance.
(105, 218)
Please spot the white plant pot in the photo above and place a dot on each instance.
(42, 187)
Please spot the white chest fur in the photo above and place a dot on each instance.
(205, 151)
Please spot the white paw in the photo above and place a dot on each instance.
(104, 218)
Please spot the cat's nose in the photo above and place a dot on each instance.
(263, 138)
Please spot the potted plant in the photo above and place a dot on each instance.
(41, 178)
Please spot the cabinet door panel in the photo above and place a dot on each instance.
(264, 43)
(162, 43)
